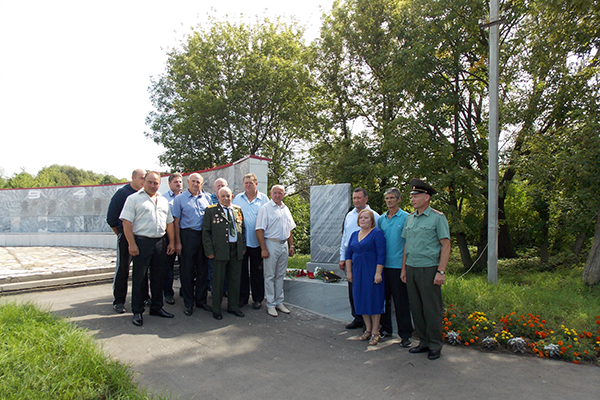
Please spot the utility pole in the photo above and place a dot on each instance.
(494, 26)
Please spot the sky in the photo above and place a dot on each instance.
(74, 75)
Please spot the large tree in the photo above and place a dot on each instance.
(231, 90)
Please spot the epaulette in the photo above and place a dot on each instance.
(236, 206)
(436, 211)
(212, 206)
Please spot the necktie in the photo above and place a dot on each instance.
(231, 223)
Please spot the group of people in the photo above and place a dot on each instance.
(397, 258)
(244, 241)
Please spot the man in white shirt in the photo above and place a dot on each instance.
(359, 199)
(147, 219)
(274, 225)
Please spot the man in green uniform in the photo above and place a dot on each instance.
(224, 240)
(424, 263)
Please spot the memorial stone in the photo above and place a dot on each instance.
(329, 205)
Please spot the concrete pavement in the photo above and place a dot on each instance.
(304, 355)
(300, 356)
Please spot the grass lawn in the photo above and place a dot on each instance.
(45, 357)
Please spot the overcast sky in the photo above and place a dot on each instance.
(74, 75)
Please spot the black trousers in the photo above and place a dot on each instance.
(193, 268)
(152, 258)
(396, 291)
(168, 281)
(122, 271)
(252, 276)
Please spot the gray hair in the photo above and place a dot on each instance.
(393, 190)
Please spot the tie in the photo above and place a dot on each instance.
(231, 223)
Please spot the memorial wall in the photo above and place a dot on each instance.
(76, 216)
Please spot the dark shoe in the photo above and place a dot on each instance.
(384, 334)
(237, 313)
(204, 307)
(355, 325)
(419, 349)
(257, 305)
(161, 313)
(434, 354)
(137, 320)
(188, 311)
(120, 308)
(405, 342)
(169, 300)
(217, 316)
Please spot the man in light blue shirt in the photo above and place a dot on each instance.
(188, 212)
(359, 199)
(175, 188)
(252, 267)
(392, 225)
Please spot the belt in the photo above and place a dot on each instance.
(147, 237)
(277, 240)
(190, 229)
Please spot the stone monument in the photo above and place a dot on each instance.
(329, 205)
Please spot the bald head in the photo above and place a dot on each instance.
(137, 178)
(224, 196)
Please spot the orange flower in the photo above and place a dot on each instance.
(472, 341)
(466, 343)
(446, 328)
(560, 343)
(576, 362)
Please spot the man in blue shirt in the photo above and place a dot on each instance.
(392, 225)
(359, 199)
(175, 188)
(188, 212)
(252, 266)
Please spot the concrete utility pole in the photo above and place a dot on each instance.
(494, 26)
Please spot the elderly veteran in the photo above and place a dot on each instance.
(426, 255)
(224, 240)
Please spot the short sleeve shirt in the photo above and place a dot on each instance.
(276, 221)
(149, 218)
(189, 209)
(423, 233)
(250, 210)
(392, 229)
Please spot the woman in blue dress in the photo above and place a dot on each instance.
(365, 258)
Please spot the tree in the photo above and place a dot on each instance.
(59, 175)
(413, 76)
(233, 90)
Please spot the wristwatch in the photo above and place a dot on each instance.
(441, 272)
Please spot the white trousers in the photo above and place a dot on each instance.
(274, 270)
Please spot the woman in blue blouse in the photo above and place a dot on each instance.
(365, 258)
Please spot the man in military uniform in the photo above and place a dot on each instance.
(224, 240)
(426, 255)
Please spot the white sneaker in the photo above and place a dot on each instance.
(272, 312)
(283, 309)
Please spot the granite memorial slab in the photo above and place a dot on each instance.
(329, 205)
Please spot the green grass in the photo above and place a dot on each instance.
(45, 357)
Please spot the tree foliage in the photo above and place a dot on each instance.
(58, 175)
(231, 90)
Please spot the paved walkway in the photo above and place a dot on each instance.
(300, 356)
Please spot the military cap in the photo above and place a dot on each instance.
(418, 186)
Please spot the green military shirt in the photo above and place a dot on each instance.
(423, 233)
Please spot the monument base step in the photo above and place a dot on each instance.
(330, 299)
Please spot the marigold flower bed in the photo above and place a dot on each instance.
(522, 334)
